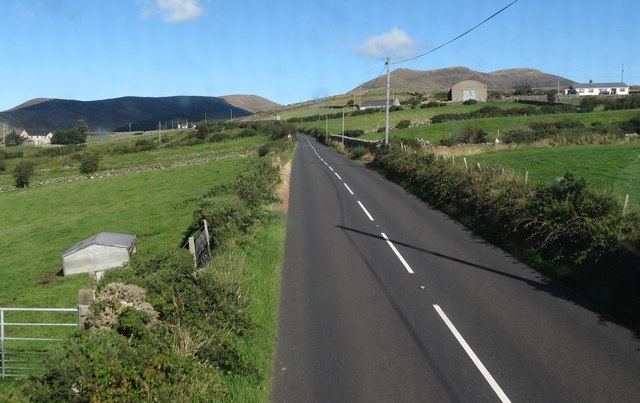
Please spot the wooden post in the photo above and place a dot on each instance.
(526, 177)
(192, 250)
(625, 207)
(465, 163)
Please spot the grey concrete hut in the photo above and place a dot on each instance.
(98, 253)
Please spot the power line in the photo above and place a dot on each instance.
(459, 36)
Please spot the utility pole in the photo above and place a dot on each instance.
(4, 135)
(326, 128)
(386, 118)
(622, 74)
(343, 125)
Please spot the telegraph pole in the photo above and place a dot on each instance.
(326, 128)
(386, 129)
(4, 135)
(343, 125)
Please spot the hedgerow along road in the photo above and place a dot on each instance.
(385, 299)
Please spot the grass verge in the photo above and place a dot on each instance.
(263, 261)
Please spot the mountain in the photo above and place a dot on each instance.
(142, 113)
(444, 79)
(251, 103)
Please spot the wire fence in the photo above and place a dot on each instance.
(200, 246)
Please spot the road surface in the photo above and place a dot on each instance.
(385, 299)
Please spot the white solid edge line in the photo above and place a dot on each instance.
(494, 385)
(393, 248)
(337, 175)
(365, 210)
(348, 188)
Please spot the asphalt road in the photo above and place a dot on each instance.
(385, 299)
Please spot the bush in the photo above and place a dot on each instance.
(23, 172)
(470, 135)
(403, 124)
(358, 152)
(104, 366)
(89, 163)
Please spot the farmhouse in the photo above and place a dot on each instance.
(600, 89)
(378, 104)
(37, 139)
(100, 252)
(468, 90)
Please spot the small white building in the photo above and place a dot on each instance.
(36, 139)
(599, 89)
(468, 90)
(98, 253)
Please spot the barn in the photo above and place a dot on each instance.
(468, 90)
(100, 252)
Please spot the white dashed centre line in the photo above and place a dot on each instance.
(393, 248)
(337, 175)
(487, 376)
(348, 188)
(365, 210)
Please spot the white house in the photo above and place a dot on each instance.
(600, 89)
(36, 139)
(98, 253)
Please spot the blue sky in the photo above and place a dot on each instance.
(295, 51)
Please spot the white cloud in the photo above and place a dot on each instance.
(395, 43)
(175, 10)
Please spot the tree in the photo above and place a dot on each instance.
(551, 96)
(22, 173)
(13, 139)
(82, 129)
(522, 89)
(202, 131)
(89, 163)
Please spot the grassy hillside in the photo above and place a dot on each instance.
(41, 223)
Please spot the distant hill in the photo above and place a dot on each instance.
(444, 79)
(143, 113)
(251, 103)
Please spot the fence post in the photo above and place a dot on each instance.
(192, 249)
(625, 207)
(206, 233)
(526, 177)
(465, 163)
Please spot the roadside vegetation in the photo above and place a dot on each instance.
(181, 334)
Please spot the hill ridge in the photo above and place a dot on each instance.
(444, 78)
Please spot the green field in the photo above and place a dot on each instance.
(39, 224)
(611, 168)
(62, 166)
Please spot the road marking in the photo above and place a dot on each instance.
(331, 169)
(337, 175)
(494, 385)
(365, 210)
(393, 248)
(348, 188)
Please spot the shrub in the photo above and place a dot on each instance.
(89, 163)
(22, 173)
(123, 307)
(354, 133)
(144, 145)
(470, 135)
(358, 152)
(403, 124)
(104, 366)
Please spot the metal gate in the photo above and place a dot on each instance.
(27, 334)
